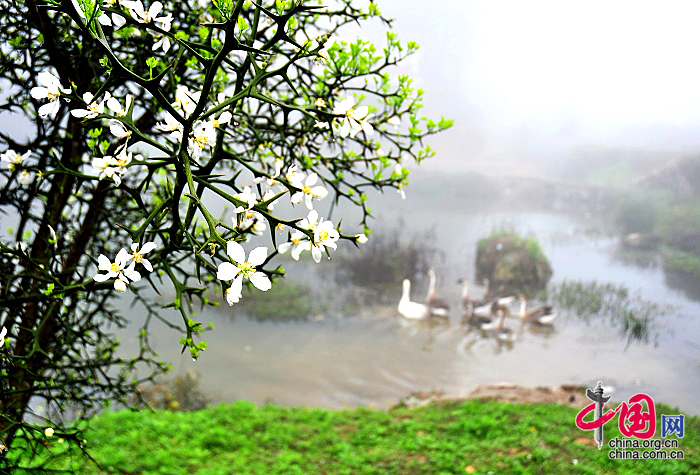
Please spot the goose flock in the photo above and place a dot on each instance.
(487, 313)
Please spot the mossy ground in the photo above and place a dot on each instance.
(441, 438)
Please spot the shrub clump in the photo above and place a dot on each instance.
(512, 263)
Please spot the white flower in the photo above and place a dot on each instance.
(25, 178)
(103, 18)
(395, 121)
(241, 269)
(355, 120)
(139, 13)
(117, 108)
(93, 108)
(186, 100)
(246, 196)
(361, 238)
(3, 332)
(117, 269)
(294, 177)
(203, 136)
(170, 124)
(48, 432)
(13, 158)
(137, 256)
(298, 242)
(224, 118)
(325, 235)
(308, 193)
(320, 103)
(118, 129)
(251, 219)
(50, 89)
(113, 167)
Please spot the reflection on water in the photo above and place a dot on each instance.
(355, 350)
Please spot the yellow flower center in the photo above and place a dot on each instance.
(247, 269)
(51, 96)
(296, 242)
(115, 268)
(307, 190)
(137, 257)
(201, 141)
(121, 162)
(215, 123)
(323, 235)
(350, 114)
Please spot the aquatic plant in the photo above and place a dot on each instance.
(634, 317)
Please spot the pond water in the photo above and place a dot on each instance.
(370, 356)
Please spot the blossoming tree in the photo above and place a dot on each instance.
(137, 122)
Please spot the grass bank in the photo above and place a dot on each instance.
(446, 438)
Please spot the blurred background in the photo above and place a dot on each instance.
(577, 129)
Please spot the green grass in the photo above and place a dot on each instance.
(447, 438)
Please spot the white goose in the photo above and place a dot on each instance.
(541, 316)
(408, 309)
(502, 333)
(436, 306)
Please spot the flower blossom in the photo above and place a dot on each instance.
(137, 255)
(251, 219)
(162, 40)
(203, 136)
(170, 124)
(248, 197)
(117, 269)
(139, 12)
(241, 269)
(113, 167)
(118, 129)
(13, 158)
(114, 105)
(186, 100)
(50, 89)
(325, 235)
(297, 242)
(3, 332)
(307, 193)
(93, 109)
(294, 177)
(25, 178)
(355, 120)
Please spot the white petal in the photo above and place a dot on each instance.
(361, 112)
(101, 277)
(284, 247)
(39, 92)
(123, 257)
(148, 247)
(316, 254)
(257, 256)
(80, 113)
(103, 262)
(50, 108)
(261, 281)
(311, 179)
(147, 264)
(235, 251)
(226, 271)
(233, 293)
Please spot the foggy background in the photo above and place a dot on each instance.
(534, 85)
